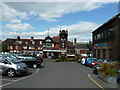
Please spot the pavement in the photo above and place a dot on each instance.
(57, 75)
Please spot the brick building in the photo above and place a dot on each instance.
(50, 47)
(106, 39)
(81, 49)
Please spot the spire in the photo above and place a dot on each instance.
(48, 31)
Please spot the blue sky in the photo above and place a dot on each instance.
(33, 19)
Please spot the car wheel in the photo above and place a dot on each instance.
(34, 65)
(11, 73)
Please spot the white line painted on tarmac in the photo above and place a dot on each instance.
(20, 79)
(7, 80)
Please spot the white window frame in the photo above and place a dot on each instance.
(40, 42)
(33, 42)
(16, 47)
(11, 47)
(26, 42)
(20, 42)
(24, 47)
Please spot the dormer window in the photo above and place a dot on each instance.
(33, 42)
(20, 42)
(40, 42)
(48, 40)
(26, 42)
(11, 47)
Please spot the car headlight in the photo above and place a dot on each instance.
(98, 67)
(18, 67)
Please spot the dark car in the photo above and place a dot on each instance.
(31, 61)
(101, 61)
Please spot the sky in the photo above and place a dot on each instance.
(28, 19)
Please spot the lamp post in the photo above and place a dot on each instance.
(89, 46)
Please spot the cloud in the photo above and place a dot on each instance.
(11, 15)
(50, 11)
(19, 26)
(81, 30)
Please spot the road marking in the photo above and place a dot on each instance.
(95, 82)
(7, 80)
(20, 79)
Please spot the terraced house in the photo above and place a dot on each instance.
(50, 47)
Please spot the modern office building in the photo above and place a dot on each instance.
(106, 39)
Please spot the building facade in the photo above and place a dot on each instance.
(81, 49)
(106, 39)
(50, 47)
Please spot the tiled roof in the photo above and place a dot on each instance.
(81, 46)
(56, 39)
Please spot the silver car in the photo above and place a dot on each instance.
(12, 66)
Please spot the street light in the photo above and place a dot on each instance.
(89, 46)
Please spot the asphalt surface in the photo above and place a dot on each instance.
(57, 75)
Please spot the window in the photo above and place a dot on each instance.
(39, 47)
(48, 40)
(63, 45)
(40, 42)
(33, 42)
(32, 47)
(94, 37)
(48, 44)
(83, 51)
(24, 47)
(20, 42)
(26, 42)
(110, 53)
(11, 47)
(104, 53)
(98, 36)
(16, 47)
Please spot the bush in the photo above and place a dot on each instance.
(58, 60)
(108, 69)
(63, 58)
(70, 59)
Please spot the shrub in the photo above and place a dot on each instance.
(108, 69)
(58, 60)
(70, 59)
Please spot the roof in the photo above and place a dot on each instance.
(113, 18)
(56, 39)
(81, 46)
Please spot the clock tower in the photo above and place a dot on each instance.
(63, 38)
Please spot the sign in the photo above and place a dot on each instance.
(101, 45)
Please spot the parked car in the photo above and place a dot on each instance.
(31, 61)
(89, 60)
(96, 62)
(101, 61)
(12, 66)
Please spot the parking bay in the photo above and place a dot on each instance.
(5, 79)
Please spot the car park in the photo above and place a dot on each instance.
(12, 66)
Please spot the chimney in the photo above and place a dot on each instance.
(32, 38)
(75, 41)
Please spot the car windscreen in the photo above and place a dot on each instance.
(92, 58)
(30, 58)
(14, 60)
